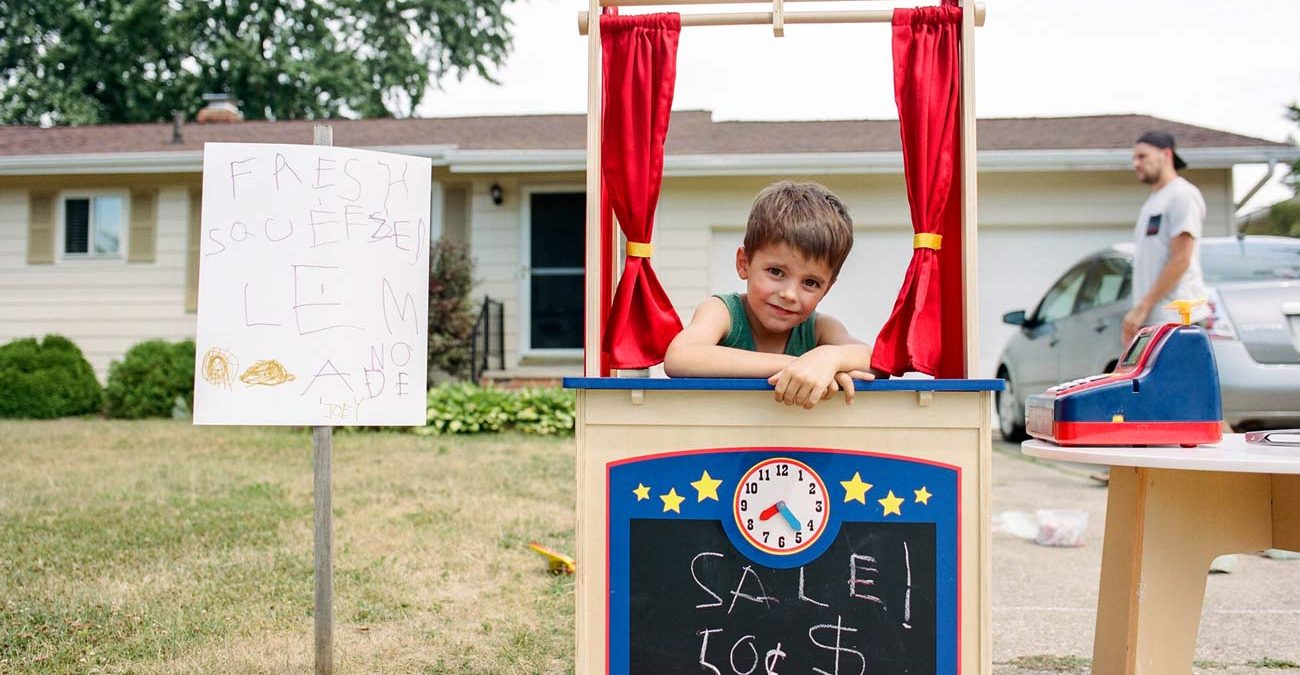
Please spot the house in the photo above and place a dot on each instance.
(100, 231)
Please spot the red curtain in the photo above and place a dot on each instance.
(924, 332)
(640, 71)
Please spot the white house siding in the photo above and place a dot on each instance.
(105, 306)
(494, 244)
(1032, 226)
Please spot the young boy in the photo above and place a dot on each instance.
(797, 237)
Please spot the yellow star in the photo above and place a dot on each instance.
(923, 496)
(707, 487)
(891, 504)
(642, 492)
(855, 489)
(672, 501)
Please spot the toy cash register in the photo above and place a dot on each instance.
(1164, 391)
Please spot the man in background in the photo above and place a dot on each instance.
(1167, 260)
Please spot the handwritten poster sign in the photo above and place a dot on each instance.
(313, 286)
(782, 560)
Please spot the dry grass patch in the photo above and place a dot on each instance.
(159, 547)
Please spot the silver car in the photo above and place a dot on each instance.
(1255, 330)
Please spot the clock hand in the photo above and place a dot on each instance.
(769, 511)
(789, 515)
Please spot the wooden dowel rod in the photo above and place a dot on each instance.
(766, 18)
(595, 258)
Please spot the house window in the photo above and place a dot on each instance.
(555, 262)
(93, 225)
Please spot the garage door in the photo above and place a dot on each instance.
(1017, 264)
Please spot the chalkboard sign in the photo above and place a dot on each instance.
(699, 583)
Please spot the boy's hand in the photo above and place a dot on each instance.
(844, 381)
(806, 381)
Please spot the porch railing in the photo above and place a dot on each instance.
(488, 341)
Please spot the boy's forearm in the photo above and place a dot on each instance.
(850, 357)
(717, 361)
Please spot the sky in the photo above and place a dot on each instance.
(1230, 65)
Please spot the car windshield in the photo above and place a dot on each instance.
(1250, 260)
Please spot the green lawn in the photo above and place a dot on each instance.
(158, 547)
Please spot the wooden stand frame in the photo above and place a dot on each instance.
(601, 254)
(952, 428)
(907, 420)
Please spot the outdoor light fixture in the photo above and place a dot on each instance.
(495, 193)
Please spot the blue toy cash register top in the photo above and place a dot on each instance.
(1164, 391)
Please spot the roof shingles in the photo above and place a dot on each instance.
(690, 133)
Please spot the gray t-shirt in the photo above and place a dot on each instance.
(1170, 211)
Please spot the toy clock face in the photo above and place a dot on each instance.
(781, 506)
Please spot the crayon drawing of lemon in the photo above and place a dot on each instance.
(219, 367)
(268, 372)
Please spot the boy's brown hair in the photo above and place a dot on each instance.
(806, 217)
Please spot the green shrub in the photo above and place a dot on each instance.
(153, 379)
(545, 412)
(451, 314)
(46, 379)
(472, 409)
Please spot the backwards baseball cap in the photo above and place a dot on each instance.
(1162, 139)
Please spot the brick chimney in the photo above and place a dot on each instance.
(220, 108)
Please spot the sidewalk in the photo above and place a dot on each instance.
(1045, 599)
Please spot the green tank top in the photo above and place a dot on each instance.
(802, 338)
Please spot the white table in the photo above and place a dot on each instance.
(1170, 511)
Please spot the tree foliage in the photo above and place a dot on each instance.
(1283, 220)
(103, 61)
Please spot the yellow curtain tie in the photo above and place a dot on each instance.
(926, 240)
(639, 250)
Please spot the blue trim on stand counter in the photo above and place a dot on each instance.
(757, 384)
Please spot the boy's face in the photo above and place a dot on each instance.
(783, 287)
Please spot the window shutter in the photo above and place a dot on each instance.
(192, 246)
(144, 226)
(455, 214)
(40, 228)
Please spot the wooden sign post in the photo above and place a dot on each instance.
(313, 303)
(322, 461)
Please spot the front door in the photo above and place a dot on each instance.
(554, 278)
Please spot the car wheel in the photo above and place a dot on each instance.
(1011, 419)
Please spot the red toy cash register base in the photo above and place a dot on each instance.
(1164, 391)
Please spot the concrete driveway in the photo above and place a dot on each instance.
(1045, 599)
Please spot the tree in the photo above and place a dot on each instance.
(102, 61)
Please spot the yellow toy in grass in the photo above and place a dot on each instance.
(556, 563)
